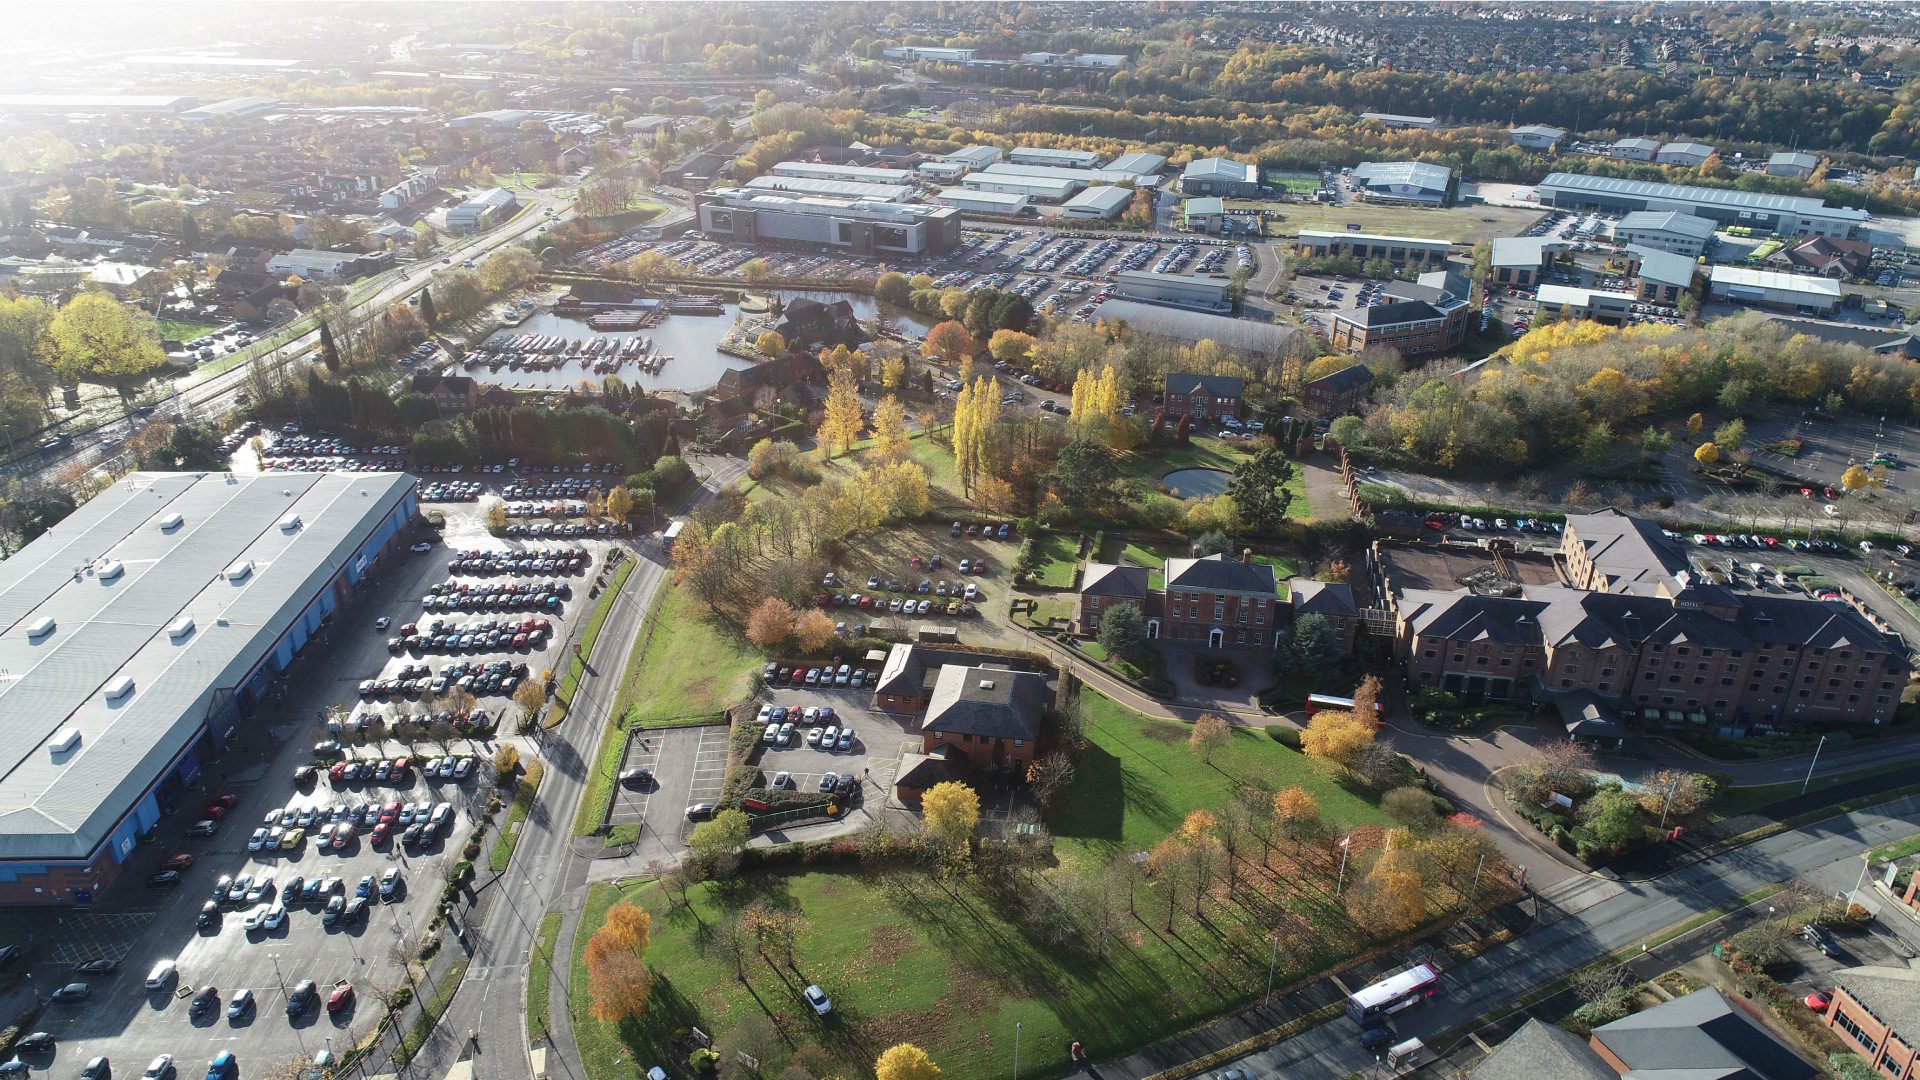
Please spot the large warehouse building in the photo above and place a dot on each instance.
(835, 189)
(1221, 176)
(781, 219)
(1180, 290)
(1788, 215)
(1804, 293)
(857, 174)
(138, 635)
(1414, 183)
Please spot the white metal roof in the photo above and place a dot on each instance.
(1741, 276)
(1106, 200)
(1226, 169)
(110, 632)
(1410, 173)
(1728, 197)
(1698, 228)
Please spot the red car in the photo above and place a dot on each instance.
(338, 772)
(227, 799)
(1817, 1001)
(1437, 526)
(180, 861)
(214, 812)
(389, 812)
(381, 832)
(341, 997)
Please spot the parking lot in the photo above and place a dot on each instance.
(872, 755)
(686, 766)
(138, 928)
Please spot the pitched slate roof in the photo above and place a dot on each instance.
(1339, 382)
(1212, 385)
(992, 702)
(1703, 1035)
(1540, 1051)
(1626, 549)
(1217, 573)
(1310, 597)
(1107, 579)
(1893, 993)
(903, 675)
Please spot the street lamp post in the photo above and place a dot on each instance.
(1668, 804)
(1341, 885)
(1273, 956)
(1016, 1050)
(1811, 764)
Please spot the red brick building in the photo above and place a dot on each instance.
(1337, 394)
(1428, 315)
(1204, 396)
(1219, 602)
(1876, 1012)
(989, 715)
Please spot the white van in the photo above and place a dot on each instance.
(162, 975)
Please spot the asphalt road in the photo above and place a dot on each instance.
(1595, 921)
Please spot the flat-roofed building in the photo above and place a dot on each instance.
(1138, 163)
(1772, 289)
(482, 210)
(1003, 203)
(1599, 305)
(916, 53)
(838, 189)
(1876, 1012)
(940, 172)
(1536, 136)
(1044, 189)
(787, 219)
(1661, 277)
(1046, 155)
(1519, 260)
(1787, 215)
(859, 174)
(1099, 203)
(138, 637)
(1178, 290)
(1411, 182)
(311, 265)
(1367, 247)
(1398, 121)
(1203, 215)
(975, 157)
(232, 109)
(1682, 234)
(96, 103)
(1221, 176)
(1187, 327)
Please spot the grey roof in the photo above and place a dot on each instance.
(1406, 311)
(1890, 993)
(1649, 145)
(1727, 197)
(1700, 149)
(1664, 267)
(1181, 382)
(993, 702)
(1347, 378)
(1541, 1051)
(1625, 548)
(1539, 129)
(1585, 717)
(106, 629)
(1310, 597)
(1528, 251)
(1217, 573)
(904, 674)
(1108, 579)
(1666, 221)
(1865, 336)
(1156, 320)
(1107, 200)
(1139, 163)
(1804, 161)
(1413, 173)
(1702, 1031)
(1221, 169)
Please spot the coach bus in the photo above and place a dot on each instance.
(1333, 703)
(1373, 1004)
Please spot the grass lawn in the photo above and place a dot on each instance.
(1057, 558)
(540, 975)
(693, 665)
(183, 330)
(432, 1010)
(1899, 850)
(1460, 224)
(1137, 780)
(1047, 608)
(523, 797)
(1295, 183)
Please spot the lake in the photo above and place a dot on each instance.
(690, 339)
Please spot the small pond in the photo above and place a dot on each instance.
(1197, 483)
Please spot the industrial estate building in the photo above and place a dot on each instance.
(1519, 260)
(140, 633)
(1772, 289)
(1536, 136)
(482, 211)
(1067, 159)
(1794, 165)
(1179, 290)
(1221, 176)
(1411, 182)
(836, 189)
(861, 228)
(1367, 247)
(975, 201)
(814, 170)
(1788, 215)
(1574, 302)
(1682, 234)
(1046, 189)
(1098, 203)
(1661, 277)
(1400, 122)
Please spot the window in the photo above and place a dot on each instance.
(1847, 1024)
(1219, 610)
(1019, 742)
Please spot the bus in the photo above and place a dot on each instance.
(1333, 703)
(1372, 1005)
(671, 534)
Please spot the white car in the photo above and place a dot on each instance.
(257, 918)
(159, 1068)
(276, 916)
(817, 998)
(258, 840)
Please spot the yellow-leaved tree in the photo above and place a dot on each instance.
(905, 1061)
(890, 428)
(843, 421)
(1336, 736)
(949, 812)
(618, 979)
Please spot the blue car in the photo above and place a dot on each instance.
(222, 1066)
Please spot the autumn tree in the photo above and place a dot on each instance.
(1390, 898)
(1171, 866)
(1675, 792)
(949, 813)
(1560, 767)
(813, 630)
(1854, 478)
(890, 428)
(950, 342)
(771, 622)
(1296, 814)
(618, 979)
(1366, 697)
(1049, 776)
(1010, 346)
(770, 344)
(620, 503)
(531, 697)
(893, 371)
(1706, 454)
(843, 420)
(506, 762)
(1200, 833)
(1336, 736)
(95, 338)
(715, 846)
(1210, 734)
(905, 1061)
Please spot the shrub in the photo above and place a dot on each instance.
(402, 997)
(740, 780)
(1288, 737)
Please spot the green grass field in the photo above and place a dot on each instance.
(954, 967)
(693, 666)
(1138, 780)
(183, 331)
(576, 666)
(540, 975)
(1294, 183)
(1459, 224)
(509, 838)
(1057, 557)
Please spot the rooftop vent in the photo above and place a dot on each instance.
(120, 687)
(986, 684)
(171, 522)
(63, 740)
(290, 523)
(180, 627)
(40, 627)
(238, 571)
(111, 569)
